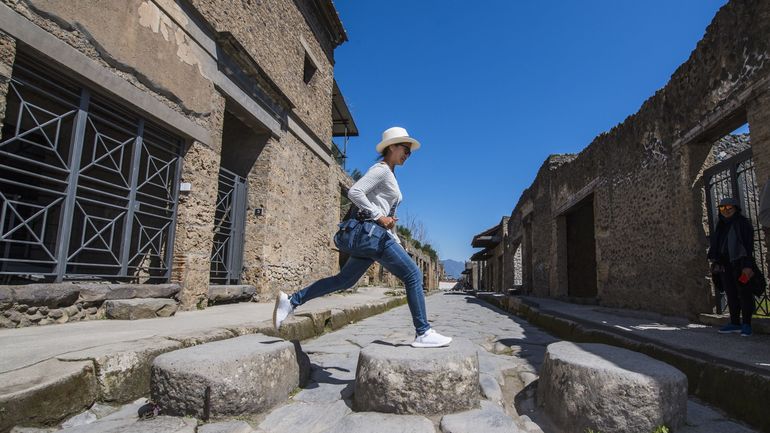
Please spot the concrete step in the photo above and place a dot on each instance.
(605, 388)
(393, 377)
(240, 376)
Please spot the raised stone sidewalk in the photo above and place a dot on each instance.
(510, 353)
(727, 371)
(50, 373)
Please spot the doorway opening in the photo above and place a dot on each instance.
(581, 250)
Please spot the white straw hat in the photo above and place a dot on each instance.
(396, 135)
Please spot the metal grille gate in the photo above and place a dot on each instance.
(735, 178)
(87, 189)
(229, 226)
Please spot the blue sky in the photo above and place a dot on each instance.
(491, 88)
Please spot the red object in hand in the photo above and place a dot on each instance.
(743, 279)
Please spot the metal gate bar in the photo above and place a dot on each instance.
(88, 189)
(229, 225)
(735, 177)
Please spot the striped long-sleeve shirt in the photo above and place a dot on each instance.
(377, 193)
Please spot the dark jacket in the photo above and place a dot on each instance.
(719, 238)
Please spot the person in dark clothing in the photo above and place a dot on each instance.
(731, 253)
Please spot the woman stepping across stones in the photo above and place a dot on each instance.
(368, 235)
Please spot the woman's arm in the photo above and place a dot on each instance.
(357, 192)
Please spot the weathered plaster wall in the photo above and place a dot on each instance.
(643, 174)
(139, 44)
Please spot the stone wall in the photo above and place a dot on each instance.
(643, 176)
(7, 54)
(167, 53)
(272, 32)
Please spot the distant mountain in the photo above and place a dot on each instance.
(453, 268)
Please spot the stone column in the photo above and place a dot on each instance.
(7, 56)
(758, 112)
(195, 226)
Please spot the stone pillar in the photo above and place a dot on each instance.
(758, 112)
(195, 226)
(7, 56)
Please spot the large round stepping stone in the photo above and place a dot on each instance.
(243, 375)
(610, 389)
(397, 378)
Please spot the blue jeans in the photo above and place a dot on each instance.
(393, 258)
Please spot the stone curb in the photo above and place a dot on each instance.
(120, 375)
(708, 377)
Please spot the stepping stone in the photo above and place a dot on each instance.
(489, 419)
(397, 378)
(374, 422)
(610, 389)
(140, 308)
(243, 375)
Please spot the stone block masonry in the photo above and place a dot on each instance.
(638, 188)
(184, 69)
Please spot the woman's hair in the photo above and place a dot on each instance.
(384, 153)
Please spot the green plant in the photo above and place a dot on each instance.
(404, 232)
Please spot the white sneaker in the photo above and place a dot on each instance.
(282, 309)
(431, 338)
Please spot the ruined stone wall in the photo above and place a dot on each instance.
(289, 246)
(643, 175)
(153, 45)
(270, 30)
(121, 37)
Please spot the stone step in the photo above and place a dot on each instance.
(219, 294)
(239, 376)
(397, 378)
(139, 308)
(610, 389)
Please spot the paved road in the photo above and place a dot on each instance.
(510, 349)
(510, 352)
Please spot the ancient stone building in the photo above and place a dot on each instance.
(164, 141)
(624, 222)
(493, 268)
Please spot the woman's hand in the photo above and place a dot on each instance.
(748, 272)
(387, 222)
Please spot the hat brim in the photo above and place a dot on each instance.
(413, 144)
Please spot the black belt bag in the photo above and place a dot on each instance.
(360, 238)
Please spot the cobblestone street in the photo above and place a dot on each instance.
(510, 352)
